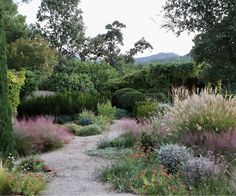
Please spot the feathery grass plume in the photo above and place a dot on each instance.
(206, 111)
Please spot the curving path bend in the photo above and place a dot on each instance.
(76, 171)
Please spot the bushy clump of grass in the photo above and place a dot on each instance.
(89, 130)
(73, 128)
(207, 111)
(223, 143)
(42, 134)
(106, 109)
(4, 182)
(110, 152)
(126, 140)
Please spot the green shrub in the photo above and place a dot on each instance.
(30, 164)
(172, 156)
(116, 96)
(203, 112)
(63, 119)
(106, 109)
(63, 82)
(85, 118)
(73, 128)
(126, 140)
(60, 104)
(145, 109)
(128, 100)
(27, 184)
(89, 130)
(148, 141)
(15, 82)
(31, 84)
(121, 113)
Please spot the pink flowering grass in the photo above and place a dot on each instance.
(224, 143)
(42, 133)
(131, 125)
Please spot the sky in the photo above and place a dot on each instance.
(143, 18)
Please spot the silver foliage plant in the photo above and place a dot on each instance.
(172, 156)
(199, 170)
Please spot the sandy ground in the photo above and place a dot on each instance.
(76, 172)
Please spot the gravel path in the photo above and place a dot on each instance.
(76, 172)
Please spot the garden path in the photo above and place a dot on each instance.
(76, 171)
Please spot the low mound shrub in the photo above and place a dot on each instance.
(128, 100)
(199, 170)
(116, 96)
(73, 128)
(89, 130)
(172, 156)
(42, 134)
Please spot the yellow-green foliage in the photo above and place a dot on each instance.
(106, 110)
(15, 82)
(4, 184)
(207, 111)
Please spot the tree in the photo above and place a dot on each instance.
(34, 54)
(107, 46)
(215, 23)
(6, 131)
(14, 23)
(60, 22)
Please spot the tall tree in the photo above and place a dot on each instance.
(6, 130)
(62, 25)
(215, 24)
(107, 46)
(14, 23)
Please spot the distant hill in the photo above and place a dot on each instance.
(163, 58)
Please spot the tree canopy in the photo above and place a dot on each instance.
(215, 24)
(61, 23)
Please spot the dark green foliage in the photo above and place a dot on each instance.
(145, 109)
(116, 96)
(31, 84)
(148, 141)
(159, 97)
(60, 104)
(84, 121)
(62, 82)
(89, 130)
(121, 113)
(63, 119)
(14, 23)
(6, 131)
(215, 23)
(128, 100)
(126, 140)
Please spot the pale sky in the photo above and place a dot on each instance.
(137, 15)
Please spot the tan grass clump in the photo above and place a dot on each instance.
(206, 111)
